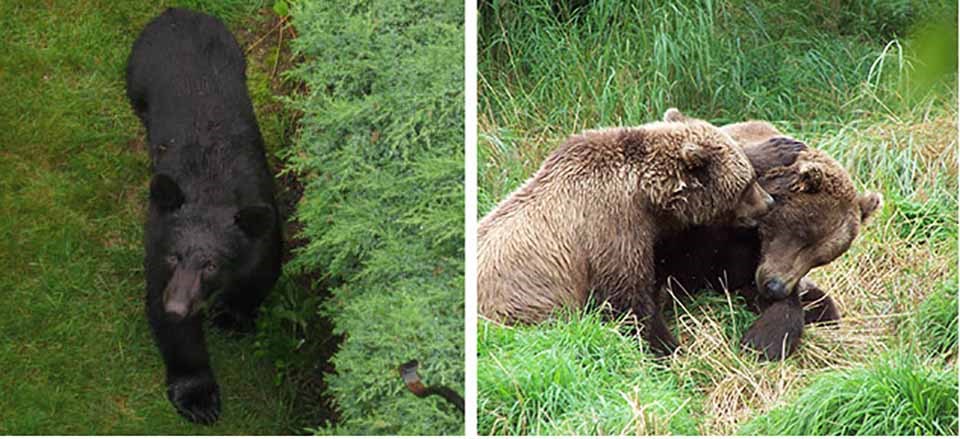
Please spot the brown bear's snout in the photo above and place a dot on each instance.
(774, 289)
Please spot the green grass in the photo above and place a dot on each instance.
(866, 82)
(578, 376)
(895, 396)
(932, 332)
(76, 351)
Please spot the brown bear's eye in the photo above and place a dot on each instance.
(210, 267)
(173, 259)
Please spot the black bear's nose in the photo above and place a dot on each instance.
(775, 289)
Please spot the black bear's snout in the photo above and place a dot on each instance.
(182, 293)
(775, 289)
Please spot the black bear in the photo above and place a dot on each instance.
(213, 231)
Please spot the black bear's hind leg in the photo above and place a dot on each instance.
(658, 336)
(654, 331)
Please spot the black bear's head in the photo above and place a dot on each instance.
(202, 245)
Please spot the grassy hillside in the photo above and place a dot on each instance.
(871, 83)
(76, 352)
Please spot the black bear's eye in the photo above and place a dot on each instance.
(210, 267)
(173, 259)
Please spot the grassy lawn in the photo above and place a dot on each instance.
(827, 77)
(75, 348)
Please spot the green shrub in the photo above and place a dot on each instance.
(380, 149)
(897, 395)
(576, 375)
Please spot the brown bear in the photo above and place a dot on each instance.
(816, 217)
(587, 221)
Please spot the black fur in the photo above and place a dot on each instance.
(213, 228)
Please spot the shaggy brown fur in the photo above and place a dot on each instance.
(816, 217)
(818, 211)
(588, 219)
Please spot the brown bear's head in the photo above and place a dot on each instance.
(817, 214)
(716, 183)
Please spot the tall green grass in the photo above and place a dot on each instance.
(895, 396)
(625, 62)
(575, 376)
(932, 332)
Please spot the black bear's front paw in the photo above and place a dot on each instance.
(196, 398)
(776, 333)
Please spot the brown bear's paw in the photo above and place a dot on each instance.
(776, 333)
(824, 313)
(818, 307)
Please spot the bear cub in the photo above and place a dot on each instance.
(587, 221)
(212, 232)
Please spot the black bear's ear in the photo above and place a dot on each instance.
(165, 193)
(254, 220)
(809, 178)
(694, 156)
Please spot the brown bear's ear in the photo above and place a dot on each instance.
(809, 178)
(694, 156)
(673, 115)
(869, 202)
